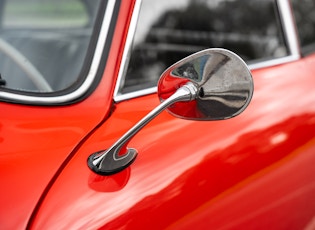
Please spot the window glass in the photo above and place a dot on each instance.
(43, 43)
(169, 30)
(43, 14)
(304, 12)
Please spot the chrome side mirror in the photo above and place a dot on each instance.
(212, 84)
(222, 80)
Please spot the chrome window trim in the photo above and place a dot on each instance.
(126, 56)
(290, 35)
(288, 22)
(89, 78)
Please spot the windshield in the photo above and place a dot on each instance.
(44, 43)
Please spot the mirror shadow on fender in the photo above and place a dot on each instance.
(213, 84)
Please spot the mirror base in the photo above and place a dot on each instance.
(110, 165)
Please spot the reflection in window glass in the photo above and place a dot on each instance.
(43, 43)
(169, 30)
(305, 19)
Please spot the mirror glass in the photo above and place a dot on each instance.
(223, 81)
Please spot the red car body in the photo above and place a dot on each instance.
(254, 171)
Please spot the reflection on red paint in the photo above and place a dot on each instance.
(111, 183)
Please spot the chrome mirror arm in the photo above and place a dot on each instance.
(119, 156)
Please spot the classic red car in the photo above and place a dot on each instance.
(92, 139)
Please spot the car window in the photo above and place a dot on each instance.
(305, 19)
(43, 14)
(168, 30)
(44, 43)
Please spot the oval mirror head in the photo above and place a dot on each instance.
(223, 81)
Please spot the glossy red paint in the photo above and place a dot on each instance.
(36, 141)
(33, 146)
(254, 171)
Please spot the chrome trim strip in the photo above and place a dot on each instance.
(288, 23)
(127, 49)
(290, 35)
(273, 62)
(143, 92)
(90, 77)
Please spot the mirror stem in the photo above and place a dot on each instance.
(118, 156)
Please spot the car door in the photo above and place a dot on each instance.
(253, 171)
